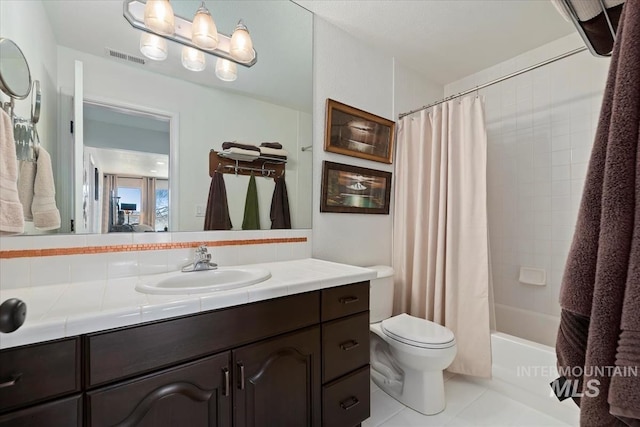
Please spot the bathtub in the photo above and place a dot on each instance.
(523, 370)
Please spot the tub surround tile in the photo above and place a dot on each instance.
(99, 305)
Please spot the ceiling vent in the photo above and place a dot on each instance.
(124, 56)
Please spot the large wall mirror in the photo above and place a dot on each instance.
(138, 161)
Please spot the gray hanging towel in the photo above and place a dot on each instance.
(600, 294)
(280, 216)
(217, 215)
(251, 219)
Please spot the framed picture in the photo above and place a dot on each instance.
(356, 133)
(352, 189)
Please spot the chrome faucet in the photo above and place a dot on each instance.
(201, 262)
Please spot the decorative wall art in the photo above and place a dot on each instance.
(353, 189)
(356, 133)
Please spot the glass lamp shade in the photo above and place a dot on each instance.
(153, 47)
(226, 71)
(158, 17)
(193, 59)
(241, 46)
(204, 33)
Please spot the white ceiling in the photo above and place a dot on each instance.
(281, 32)
(130, 163)
(446, 40)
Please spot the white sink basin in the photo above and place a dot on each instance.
(221, 279)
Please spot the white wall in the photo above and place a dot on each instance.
(349, 71)
(540, 128)
(110, 135)
(207, 117)
(38, 45)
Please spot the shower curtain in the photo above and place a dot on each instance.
(440, 252)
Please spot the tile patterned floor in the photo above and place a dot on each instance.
(468, 404)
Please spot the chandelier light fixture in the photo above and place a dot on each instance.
(200, 37)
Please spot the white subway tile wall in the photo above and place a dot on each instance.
(64, 269)
(540, 128)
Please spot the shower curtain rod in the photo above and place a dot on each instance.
(498, 80)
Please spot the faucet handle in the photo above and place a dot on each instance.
(201, 250)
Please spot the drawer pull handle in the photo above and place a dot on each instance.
(349, 403)
(14, 379)
(348, 300)
(241, 383)
(349, 345)
(226, 390)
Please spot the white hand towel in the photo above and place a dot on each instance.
(26, 180)
(11, 215)
(45, 212)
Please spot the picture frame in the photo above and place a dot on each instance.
(354, 189)
(353, 132)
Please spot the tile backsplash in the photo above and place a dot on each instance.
(540, 128)
(47, 260)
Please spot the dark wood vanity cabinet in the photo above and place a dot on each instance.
(301, 360)
(277, 382)
(192, 394)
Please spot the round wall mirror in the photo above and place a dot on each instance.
(15, 78)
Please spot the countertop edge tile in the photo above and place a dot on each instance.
(290, 278)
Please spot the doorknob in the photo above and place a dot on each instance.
(13, 312)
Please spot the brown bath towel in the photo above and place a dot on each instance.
(274, 145)
(600, 264)
(217, 215)
(228, 145)
(280, 215)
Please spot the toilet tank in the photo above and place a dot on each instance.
(381, 294)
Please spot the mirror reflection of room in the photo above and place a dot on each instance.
(129, 153)
(270, 101)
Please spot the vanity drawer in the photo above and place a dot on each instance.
(40, 372)
(345, 345)
(347, 401)
(345, 300)
(60, 413)
(127, 352)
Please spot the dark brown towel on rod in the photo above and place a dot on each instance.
(227, 145)
(601, 264)
(280, 215)
(217, 215)
(597, 29)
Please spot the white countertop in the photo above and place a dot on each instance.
(66, 310)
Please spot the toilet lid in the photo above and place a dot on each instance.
(417, 332)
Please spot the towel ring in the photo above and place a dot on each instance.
(36, 100)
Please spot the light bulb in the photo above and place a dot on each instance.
(241, 46)
(153, 47)
(226, 70)
(193, 59)
(158, 17)
(204, 33)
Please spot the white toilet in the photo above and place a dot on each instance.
(408, 354)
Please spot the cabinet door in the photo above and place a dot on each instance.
(193, 394)
(277, 381)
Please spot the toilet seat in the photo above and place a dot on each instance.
(417, 332)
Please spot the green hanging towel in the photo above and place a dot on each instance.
(251, 213)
